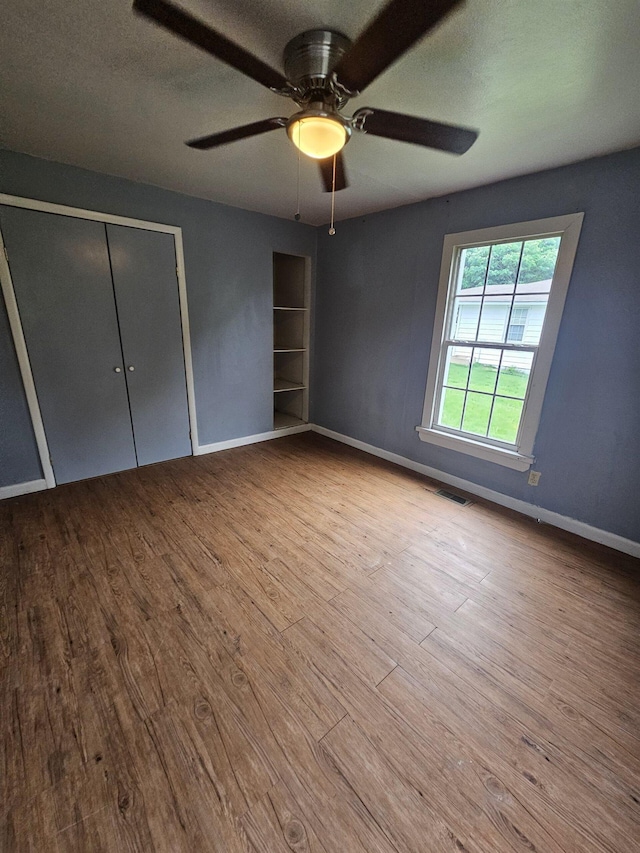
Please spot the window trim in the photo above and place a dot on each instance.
(520, 458)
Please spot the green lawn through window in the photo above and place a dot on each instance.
(505, 418)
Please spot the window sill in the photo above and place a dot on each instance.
(508, 458)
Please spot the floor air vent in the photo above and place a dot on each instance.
(457, 499)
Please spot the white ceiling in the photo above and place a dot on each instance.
(88, 83)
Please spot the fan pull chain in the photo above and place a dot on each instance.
(297, 213)
(332, 230)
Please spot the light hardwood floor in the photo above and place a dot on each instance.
(296, 647)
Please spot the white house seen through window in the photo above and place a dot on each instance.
(490, 329)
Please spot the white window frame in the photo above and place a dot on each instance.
(519, 456)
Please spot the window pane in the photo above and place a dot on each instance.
(473, 268)
(514, 374)
(538, 264)
(484, 370)
(493, 318)
(543, 286)
(505, 419)
(476, 413)
(457, 369)
(529, 312)
(464, 318)
(503, 267)
(451, 408)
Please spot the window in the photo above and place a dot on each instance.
(501, 296)
(516, 325)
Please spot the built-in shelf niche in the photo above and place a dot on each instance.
(289, 329)
(289, 281)
(289, 408)
(290, 340)
(288, 370)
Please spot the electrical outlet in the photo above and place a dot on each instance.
(534, 478)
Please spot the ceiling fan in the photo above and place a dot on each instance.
(324, 70)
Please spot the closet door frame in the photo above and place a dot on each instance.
(18, 335)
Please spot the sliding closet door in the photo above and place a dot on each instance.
(62, 280)
(143, 265)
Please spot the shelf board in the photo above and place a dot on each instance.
(287, 385)
(282, 420)
(289, 349)
(289, 308)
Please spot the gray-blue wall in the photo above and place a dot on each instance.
(228, 260)
(376, 290)
(377, 281)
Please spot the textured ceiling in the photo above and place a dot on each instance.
(88, 83)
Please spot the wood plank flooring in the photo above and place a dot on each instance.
(296, 647)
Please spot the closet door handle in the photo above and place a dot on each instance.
(131, 367)
(117, 370)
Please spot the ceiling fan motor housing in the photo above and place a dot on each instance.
(309, 59)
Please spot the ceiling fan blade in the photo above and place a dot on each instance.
(400, 24)
(326, 173)
(204, 143)
(196, 32)
(418, 131)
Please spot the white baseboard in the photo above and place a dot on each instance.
(249, 439)
(22, 489)
(595, 534)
